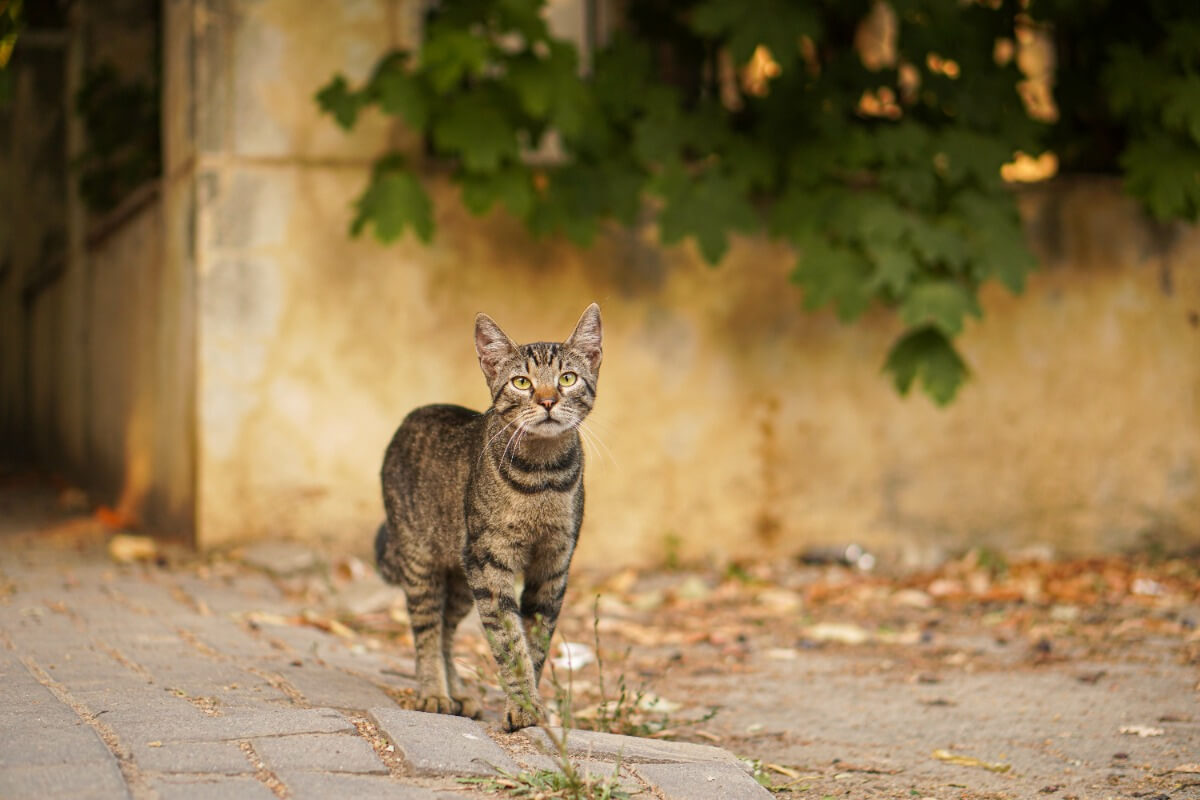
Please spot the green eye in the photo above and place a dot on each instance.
(567, 379)
(521, 382)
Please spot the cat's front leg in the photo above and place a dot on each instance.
(541, 601)
(491, 576)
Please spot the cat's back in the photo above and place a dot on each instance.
(430, 457)
(434, 434)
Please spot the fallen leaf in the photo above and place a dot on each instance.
(970, 761)
(1141, 731)
(126, 548)
(843, 633)
(782, 770)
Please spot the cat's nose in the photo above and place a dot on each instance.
(547, 402)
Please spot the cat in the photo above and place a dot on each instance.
(474, 499)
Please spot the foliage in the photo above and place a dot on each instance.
(10, 27)
(121, 118)
(719, 117)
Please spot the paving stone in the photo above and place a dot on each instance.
(38, 729)
(630, 749)
(330, 752)
(129, 707)
(319, 786)
(700, 781)
(241, 724)
(250, 592)
(440, 744)
(323, 686)
(217, 758)
(70, 781)
(210, 787)
(279, 558)
(367, 595)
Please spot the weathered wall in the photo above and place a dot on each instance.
(730, 419)
(284, 354)
(95, 366)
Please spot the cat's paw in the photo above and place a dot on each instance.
(468, 707)
(437, 704)
(523, 715)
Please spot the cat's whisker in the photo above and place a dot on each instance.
(597, 443)
(521, 419)
(497, 435)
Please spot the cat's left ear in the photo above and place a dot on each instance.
(492, 346)
(586, 340)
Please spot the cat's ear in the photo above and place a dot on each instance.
(586, 340)
(492, 346)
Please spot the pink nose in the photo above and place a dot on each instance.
(548, 403)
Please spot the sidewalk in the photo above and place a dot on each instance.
(138, 681)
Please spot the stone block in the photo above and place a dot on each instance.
(72, 781)
(440, 744)
(331, 687)
(209, 758)
(318, 786)
(630, 749)
(328, 752)
(210, 787)
(240, 724)
(700, 781)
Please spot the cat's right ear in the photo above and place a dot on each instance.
(492, 346)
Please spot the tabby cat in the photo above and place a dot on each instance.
(474, 499)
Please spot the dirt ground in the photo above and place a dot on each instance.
(984, 678)
(981, 679)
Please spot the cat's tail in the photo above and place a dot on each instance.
(381, 542)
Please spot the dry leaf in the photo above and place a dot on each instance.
(125, 548)
(970, 761)
(1141, 731)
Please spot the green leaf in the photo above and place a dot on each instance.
(833, 274)
(620, 76)
(1136, 81)
(914, 185)
(451, 54)
(1165, 176)
(399, 92)
(927, 354)
(938, 243)
(895, 267)
(873, 217)
(939, 303)
(1182, 109)
(511, 186)
(777, 24)
(971, 155)
(335, 98)
(394, 200)
(475, 128)
(903, 143)
(705, 208)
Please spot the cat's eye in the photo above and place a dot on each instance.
(521, 382)
(567, 379)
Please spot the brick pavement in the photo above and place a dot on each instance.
(136, 681)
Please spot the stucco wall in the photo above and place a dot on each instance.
(281, 354)
(730, 419)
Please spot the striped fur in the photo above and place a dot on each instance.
(473, 500)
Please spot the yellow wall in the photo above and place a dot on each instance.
(286, 353)
(730, 419)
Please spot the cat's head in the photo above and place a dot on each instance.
(544, 388)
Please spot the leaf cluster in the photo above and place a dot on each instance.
(885, 179)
